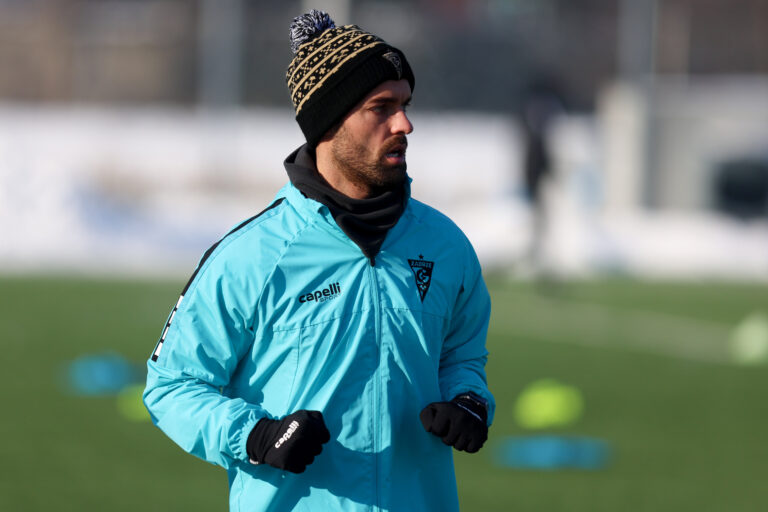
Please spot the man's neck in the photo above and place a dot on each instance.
(366, 220)
(349, 189)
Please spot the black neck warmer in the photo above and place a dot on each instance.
(365, 221)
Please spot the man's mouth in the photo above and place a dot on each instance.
(396, 153)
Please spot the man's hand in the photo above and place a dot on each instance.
(291, 443)
(460, 423)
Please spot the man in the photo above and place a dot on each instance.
(330, 351)
(541, 105)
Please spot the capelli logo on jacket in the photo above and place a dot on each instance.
(331, 292)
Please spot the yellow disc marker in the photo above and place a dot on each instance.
(748, 342)
(129, 403)
(548, 403)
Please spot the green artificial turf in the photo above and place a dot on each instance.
(686, 426)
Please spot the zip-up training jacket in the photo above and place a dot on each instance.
(286, 313)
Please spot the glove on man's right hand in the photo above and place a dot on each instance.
(291, 443)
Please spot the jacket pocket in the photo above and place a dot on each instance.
(272, 377)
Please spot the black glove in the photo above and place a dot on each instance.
(291, 443)
(461, 423)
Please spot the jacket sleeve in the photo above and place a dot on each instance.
(207, 334)
(463, 358)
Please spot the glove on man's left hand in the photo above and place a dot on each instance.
(460, 423)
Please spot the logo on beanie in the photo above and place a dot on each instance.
(394, 59)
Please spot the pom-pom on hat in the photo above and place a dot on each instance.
(333, 68)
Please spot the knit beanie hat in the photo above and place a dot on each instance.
(333, 68)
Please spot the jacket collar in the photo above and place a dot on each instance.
(366, 222)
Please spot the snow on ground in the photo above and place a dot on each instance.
(145, 191)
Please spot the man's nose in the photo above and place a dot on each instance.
(401, 123)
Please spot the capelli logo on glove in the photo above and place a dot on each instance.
(288, 433)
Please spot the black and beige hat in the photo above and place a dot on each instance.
(333, 68)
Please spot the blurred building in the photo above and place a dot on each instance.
(665, 101)
(153, 50)
(94, 51)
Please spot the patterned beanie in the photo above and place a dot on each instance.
(333, 68)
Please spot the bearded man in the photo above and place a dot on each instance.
(329, 352)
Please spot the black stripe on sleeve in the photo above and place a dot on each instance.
(234, 230)
(159, 346)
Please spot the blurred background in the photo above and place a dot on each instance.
(607, 158)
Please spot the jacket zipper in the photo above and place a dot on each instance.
(376, 379)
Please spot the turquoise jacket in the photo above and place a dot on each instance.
(286, 313)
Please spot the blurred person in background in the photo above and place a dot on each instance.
(330, 351)
(541, 104)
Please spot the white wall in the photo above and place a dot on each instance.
(147, 191)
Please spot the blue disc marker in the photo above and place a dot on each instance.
(104, 374)
(552, 452)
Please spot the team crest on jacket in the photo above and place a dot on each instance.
(422, 271)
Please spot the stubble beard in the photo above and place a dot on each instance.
(358, 165)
